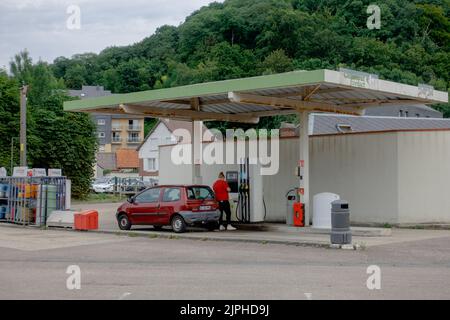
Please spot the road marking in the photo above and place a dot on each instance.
(126, 294)
(308, 296)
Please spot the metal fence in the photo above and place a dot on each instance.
(122, 186)
(30, 200)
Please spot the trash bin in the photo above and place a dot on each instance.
(340, 223)
(291, 198)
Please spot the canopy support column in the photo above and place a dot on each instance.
(304, 164)
(196, 151)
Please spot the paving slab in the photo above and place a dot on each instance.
(35, 239)
(356, 231)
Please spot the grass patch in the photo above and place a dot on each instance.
(133, 235)
(100, 198)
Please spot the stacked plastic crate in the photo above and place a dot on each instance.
(30, 200)
(4, 190)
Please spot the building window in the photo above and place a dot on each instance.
(134, 125)
(170, 140)
(133, 137)
(150, 165)
(101, 122)
(101, 134)
(116, 137)
(115, 126)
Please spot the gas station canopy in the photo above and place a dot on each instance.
(248, 99)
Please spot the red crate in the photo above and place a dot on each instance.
(86, 220)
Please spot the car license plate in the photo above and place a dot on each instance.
(205, 208)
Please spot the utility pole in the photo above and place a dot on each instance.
(23, 126)
(12, 153)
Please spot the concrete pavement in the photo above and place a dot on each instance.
(33, 265)
(273, 233)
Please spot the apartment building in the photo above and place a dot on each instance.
(114, 132)
(125, 133)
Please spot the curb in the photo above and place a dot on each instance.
(157, 235)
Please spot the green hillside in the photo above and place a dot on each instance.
(240, 38)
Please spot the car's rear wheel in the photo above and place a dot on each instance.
(178, 224)
(124, 222)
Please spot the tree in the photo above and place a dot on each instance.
(21, 67)
(76, 76)
(55, 138)
(277, 62)
(9, 118)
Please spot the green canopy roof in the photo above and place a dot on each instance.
(247, 99)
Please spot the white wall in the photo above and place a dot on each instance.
(424, 176)
(150, 149)
(170, 173)
(362, 169)
(276, 187)
(386, 177)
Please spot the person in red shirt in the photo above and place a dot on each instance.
(221, 189)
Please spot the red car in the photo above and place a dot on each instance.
(176, 206)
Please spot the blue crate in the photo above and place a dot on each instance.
(3, 210)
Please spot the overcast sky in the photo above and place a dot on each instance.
(41, 25)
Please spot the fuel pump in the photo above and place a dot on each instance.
(244, 208)
(246, 195)
(232, 178)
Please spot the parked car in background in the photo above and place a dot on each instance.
(133, 185)
(103, 185)
(177, 206)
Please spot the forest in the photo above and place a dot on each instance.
(241, 38)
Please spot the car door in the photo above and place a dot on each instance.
(171, 200)
(145, 207)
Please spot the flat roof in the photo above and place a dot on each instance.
(332, 123)
(247, 99)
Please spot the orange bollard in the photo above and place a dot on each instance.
(86, 220)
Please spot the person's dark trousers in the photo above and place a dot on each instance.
(224, 206)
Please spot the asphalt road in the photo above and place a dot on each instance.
(33, 265)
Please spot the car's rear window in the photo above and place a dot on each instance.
(199, 193)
